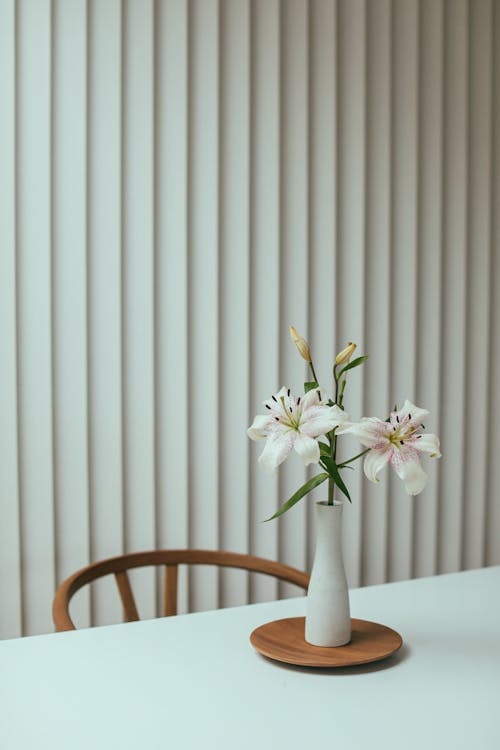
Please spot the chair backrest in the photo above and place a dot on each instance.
(171, 559)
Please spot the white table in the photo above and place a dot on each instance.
(194, 681)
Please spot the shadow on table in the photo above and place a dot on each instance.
(391, 662)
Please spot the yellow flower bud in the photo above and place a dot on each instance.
(345, 355)
(301, 344)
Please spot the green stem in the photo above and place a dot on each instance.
(333, 443)
(330, 491)
(350, 460)
(313, 372)
(336, 383)
(331, 483)
(341, 395)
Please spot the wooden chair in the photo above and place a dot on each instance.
(171, 559)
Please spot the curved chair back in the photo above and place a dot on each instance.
(170, 559)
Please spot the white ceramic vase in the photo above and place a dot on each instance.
(328, 619)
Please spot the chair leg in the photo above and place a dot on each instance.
(170, 591)
(127, 597)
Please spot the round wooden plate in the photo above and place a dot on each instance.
(283, 640)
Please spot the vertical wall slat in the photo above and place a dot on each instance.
(35, 310)
(404, 258)
(105, 293)
(453, 354)
(378, 274)
(351, 154)
(234, 287)
(70, 293)
(429, 272)
(478, 267)
(322, 103)
(138, 291)
(293, 302)
(172, 313)
(265, 270)
(10, 541)
(204, 338)
(493, 506)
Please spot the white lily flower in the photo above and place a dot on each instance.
(398, 442)
(294, 422)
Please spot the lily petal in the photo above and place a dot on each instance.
(321, 419)
(311, 399)
(407, 466)
(375, 461)
(274, 401)
(427, 444)
(258, 429)
(417, 414)
(369, 431)
(342, 418)
(277, 448)
(307, 448)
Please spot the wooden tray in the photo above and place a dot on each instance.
(283, 640)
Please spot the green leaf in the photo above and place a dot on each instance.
(310, 386)
(332, 468)
(307, 487)
(354, 363)
(324, 449)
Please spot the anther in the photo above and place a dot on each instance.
(277, 419)
(291, 410)
(267, 406)
(274, 398)
(288, 392)
(298, 401)
(397, 418)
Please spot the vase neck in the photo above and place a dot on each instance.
(329, 526)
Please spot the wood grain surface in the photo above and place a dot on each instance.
(283, 640)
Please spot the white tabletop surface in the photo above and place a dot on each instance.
(194, 681)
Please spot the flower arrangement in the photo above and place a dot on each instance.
(312, 423)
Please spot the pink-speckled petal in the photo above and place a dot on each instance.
(406, 464)
(370, 431)
(427, 444)
(414, 412)
(375, 461)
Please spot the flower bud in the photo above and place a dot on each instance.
(345, 355)
(301, 344)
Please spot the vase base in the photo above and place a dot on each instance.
(283, 640)
(342, 642)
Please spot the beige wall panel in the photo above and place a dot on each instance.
(179, 182)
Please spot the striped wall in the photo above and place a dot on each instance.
(179, 181)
